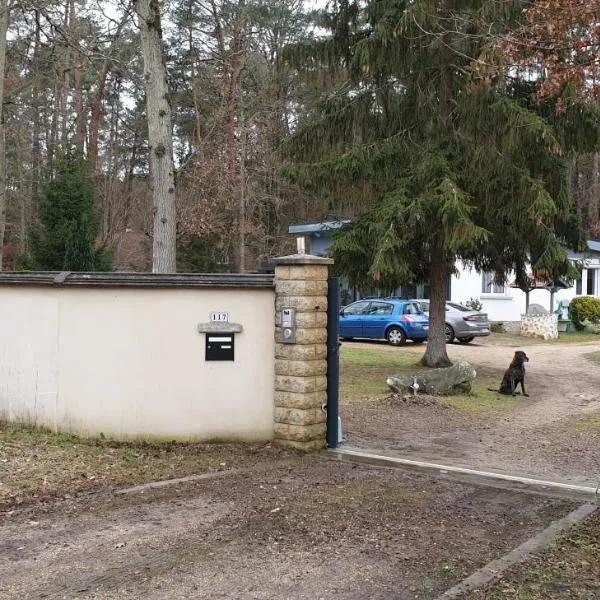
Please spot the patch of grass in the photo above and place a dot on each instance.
(570, 337)
(593, 356)
(568, 570)
(589, 422)
(481, 400)
(27, 435)
(38, 464)
(363, 371)
(565, 337)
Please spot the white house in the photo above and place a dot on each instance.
(506, 303)
(500, 302)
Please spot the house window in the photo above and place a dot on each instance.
(488, 286)
(591, 282)
(579, 286)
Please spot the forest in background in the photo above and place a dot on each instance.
(74, 90)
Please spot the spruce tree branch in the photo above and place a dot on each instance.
(440, 38)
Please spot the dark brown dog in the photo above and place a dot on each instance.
(514, 375)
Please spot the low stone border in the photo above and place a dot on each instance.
(555, 487)
(152, 485)
(494, 569)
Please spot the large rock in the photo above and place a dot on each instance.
(456, 379)
(536, 310)
(591, 326)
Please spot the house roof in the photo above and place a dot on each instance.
(594, 245)
(317, 227)
(544, 285)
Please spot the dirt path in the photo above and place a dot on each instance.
(560, 381)
(304, 530)
(537, 439)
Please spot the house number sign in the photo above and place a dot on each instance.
(216, 316)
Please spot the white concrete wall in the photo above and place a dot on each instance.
(129, 362)
(511, 305)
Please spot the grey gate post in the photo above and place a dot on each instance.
(333, 362)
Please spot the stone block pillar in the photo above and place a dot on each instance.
(301, 366)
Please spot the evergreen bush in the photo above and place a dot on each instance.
(69, 225)
(199, 254)
(585, 308)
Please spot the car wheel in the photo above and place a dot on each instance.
(419, 341)
(466, 340)
(395, 336)
(449, 333)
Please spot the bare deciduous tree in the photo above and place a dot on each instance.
(4, 10)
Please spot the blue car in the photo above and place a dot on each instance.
(393, 320)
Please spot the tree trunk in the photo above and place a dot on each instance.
(36, 119)
(3, 30)
(160, 137)
(97, 102)
(197, 138)
(78, 66)
(66, 82)
(242, 200)
(235, 66)
(594, 196)
(80, 129)
(96, 118)
(436, 354)
(52, 141)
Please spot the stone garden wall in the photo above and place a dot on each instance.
(149, 356)
(543, 327)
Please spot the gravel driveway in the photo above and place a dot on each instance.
(553, 434)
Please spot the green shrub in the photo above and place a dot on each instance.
(592, 327)
(497, 327)
(473, 304)
(585, 308)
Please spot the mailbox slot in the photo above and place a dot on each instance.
(220, 346)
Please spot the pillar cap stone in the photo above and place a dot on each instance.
(302, 259)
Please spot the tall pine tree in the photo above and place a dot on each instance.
(443, 165)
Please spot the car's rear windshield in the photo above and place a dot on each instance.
(412, 308)
(459, 307)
